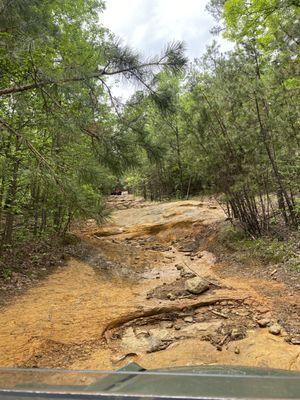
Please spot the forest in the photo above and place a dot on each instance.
(159, 229)
(226, 125)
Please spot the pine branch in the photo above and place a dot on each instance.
(125, 63)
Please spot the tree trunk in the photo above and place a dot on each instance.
(10, 203)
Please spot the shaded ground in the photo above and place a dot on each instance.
(22, 267)
(122, 297)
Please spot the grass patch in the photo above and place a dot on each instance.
(266, 250)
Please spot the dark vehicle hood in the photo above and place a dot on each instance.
(134, 382)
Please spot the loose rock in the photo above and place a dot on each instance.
(236, 334)
(171, 296)
(275, 329)
(187, 274)
(188, 319)
(262, 309)
(295, 340)
(263, 322)
(196, 285)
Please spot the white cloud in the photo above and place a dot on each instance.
(148, 25)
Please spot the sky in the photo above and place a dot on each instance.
(148, 25)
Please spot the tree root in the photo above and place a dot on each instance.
(158, 310)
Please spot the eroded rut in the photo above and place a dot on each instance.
(126, 298)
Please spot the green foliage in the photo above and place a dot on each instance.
(297, 207)
(262, 20)
(228, 125)
(264, 250)
(6, 273)
(231, 124)
(167, 168)
(62, 146)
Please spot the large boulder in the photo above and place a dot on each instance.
(196, 285)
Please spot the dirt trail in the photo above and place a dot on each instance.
(125, 300)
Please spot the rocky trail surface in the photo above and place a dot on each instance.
(143, 289)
